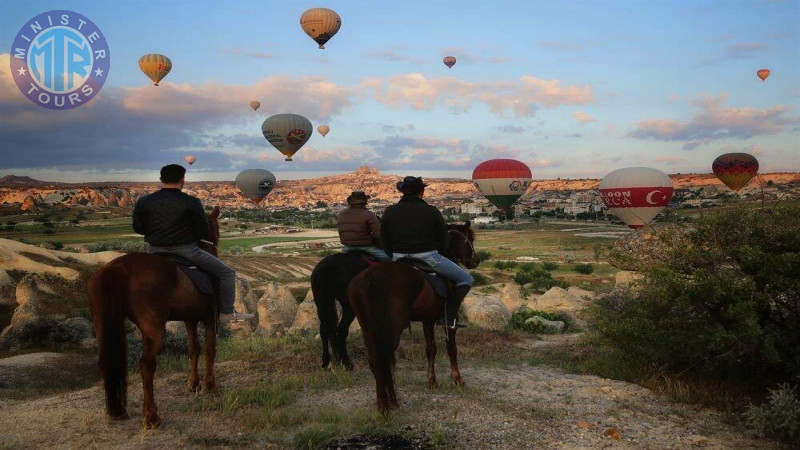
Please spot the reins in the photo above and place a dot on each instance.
(471, 247)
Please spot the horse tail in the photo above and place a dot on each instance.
(381, 336)
(106, 300)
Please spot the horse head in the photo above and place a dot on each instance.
(462, 250)
(213, 232)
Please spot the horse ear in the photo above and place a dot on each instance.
(467, 224)
(215, 213)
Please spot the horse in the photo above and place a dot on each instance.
(149, 290)
(329, 281)
(387, 297)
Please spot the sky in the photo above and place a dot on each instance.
(573, 89)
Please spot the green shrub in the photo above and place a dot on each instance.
(236, 250)
(122, 246)
(504, 265)
(779, 417)
(585, 269)
(523, 278)
(549, 266)
(539, 279)
(480, 279)
(721, 301)
(483, 255)
(527, 267)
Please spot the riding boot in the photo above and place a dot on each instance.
(454, 299)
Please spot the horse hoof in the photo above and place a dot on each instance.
(195, 388)
(459, 381)
(152, 423)
(123, 416)
(433, 385)
(348, 365)
(211, 387)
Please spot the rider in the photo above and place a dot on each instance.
(359, 228)
(414, 229)
(172, 222)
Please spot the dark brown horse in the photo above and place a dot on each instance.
(149, 290)
(388, 296)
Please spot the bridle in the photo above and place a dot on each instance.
(471, 248)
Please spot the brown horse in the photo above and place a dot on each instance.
(388, 296)
(149, 290)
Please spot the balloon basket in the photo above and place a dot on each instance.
(288, 159)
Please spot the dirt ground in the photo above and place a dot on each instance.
(276, 396)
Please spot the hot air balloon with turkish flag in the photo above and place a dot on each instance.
(735, 169)
(636, 194)
(502, 182)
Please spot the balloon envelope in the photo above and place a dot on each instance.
(255, 105)
(320, 24)
(323, 130)
(502, 181)
(255, 184)
(636, 194)
(190, 159)
(287, 132)
(735, 169)
(449, 61)
(763, 74)
(155, 66)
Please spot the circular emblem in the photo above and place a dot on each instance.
(515, 185)
(60, 59)
(263, 185)
(296, 136)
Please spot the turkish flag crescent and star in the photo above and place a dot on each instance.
(637, 197)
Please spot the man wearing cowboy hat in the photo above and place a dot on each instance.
(359, 228)
(414, 229)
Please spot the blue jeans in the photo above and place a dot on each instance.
(207, 263)
(442, 266)
(379, 254)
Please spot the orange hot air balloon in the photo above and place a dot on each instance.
(255, 104)
(763, 74)
(735, 169)
(155, 66)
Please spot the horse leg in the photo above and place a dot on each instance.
(194, 354)
(342, 331)
(152, 339)
(452, 353)
(211, 353)
(430, 352)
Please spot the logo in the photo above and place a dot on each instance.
(295, 137)
(60, 59)
(264, 185)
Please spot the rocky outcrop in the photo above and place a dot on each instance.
(555, 326)
(306, 318)
(277, 309)
(559, 299)
(246, 300)
(486, 312)
(624, 278)
(6, 289)
(28, 204)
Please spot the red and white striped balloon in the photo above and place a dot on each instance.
(636, 194)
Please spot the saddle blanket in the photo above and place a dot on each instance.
(201, 279)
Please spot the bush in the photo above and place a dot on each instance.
(527, 267)
(721, 301)
(122, 246)
(505, 265)
(779, 417)
(539, 279)
(480, 279)
(523, 277)
(585, 269)
(236, 250)
(483, 255)
(549, 266)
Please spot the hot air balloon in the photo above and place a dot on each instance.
(449, 61)
(735, 169)
(636, 194)
(255, 184)
(190, 159)
(255, 105)
(323, 130)
(320, 24)
(287, 132)
(502, 182)
(155, 66)
(763, 74)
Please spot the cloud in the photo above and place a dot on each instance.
(424, 153)
(582, 117)
(387, 55)
(397, 128)
(741, 50)
(713, 121)
(609, 129)
(557, 45)
(544, 163)
(249, 54)
(521, 97)
(511, 129)
(465, 56)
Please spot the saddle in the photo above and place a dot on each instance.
(205, 282)
(440, 284)
(366, 257)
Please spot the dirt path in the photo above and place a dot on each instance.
(503, 406)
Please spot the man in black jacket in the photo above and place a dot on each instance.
(172, 222)
(414, 229)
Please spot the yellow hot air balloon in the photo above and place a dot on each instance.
(255, 105)
(323, 130)
(763, 74)
(320, 24)
(155, 66)
(287, 132)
